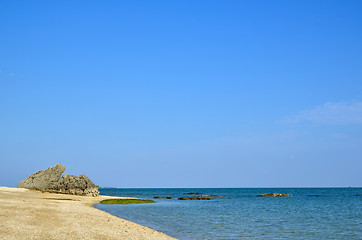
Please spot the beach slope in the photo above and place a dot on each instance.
(26, 214)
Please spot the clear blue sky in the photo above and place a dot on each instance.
(183, 93)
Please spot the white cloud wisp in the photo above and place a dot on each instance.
(341, 113)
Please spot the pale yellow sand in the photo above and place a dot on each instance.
(28, 214)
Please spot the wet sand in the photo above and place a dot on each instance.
(26, 214)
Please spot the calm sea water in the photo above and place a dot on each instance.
(313, 213)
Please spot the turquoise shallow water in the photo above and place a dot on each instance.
(313, 213)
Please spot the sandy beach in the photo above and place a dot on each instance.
(26, 214)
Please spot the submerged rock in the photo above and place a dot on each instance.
(51, 180)
(163, 197)
(194, 198)
(274, 195)
(212, 195)
(193, 193)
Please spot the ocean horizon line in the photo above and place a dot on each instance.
(224, 187)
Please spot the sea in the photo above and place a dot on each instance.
(312, 213)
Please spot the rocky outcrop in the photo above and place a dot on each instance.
(274, 195)
(162, 197)
(51, 180)
(44, 179)
(194, 198)
(71, 184)
(193, 193)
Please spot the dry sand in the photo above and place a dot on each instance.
(26, 214)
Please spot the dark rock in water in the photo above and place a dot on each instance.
(51, 180)
(163, 197)
(194, 198)
(358, 195)
(193, 193)
(274, 195)
(212, 195)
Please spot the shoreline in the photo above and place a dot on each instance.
(27, 214)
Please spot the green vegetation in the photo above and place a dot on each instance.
(125, 201)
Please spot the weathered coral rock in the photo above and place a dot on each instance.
(51, 180)
(44, 179)
(274, 195)
(194, 198)
(71, 184)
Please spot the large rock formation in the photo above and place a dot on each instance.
(51, 180)
(43, 179)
